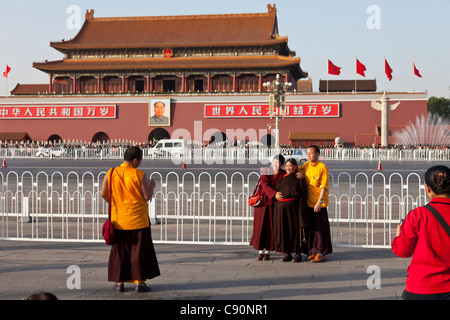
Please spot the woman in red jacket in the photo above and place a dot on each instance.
(423, 237)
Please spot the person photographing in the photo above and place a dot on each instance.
(132, 257)
(425, 236)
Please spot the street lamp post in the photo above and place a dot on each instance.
(277, 103)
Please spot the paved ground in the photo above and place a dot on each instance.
(165, 166)
(200, 272)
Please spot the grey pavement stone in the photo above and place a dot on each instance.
(199, 272)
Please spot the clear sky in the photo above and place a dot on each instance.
(340, 30)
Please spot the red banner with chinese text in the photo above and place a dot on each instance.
(303, 110)
(57, 112)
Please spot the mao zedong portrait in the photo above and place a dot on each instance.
(158, 118)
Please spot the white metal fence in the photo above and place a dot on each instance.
(364, 210)
(395, 154)
(231, 154)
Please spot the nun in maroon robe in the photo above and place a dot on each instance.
(290, 215)
(262, 238)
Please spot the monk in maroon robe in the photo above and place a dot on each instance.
(290, 215)
(262, 238)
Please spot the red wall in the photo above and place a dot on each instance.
(356, 124)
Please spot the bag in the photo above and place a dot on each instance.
(108, 229)
(438, 216)
(108, 232)
(256, 199)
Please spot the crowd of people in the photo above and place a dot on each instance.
(403, 147)
(228, 143)
(75, 145)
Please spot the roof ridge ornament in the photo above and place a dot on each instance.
(273, 12)
(89, 15)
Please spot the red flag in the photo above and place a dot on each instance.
(8, 69)
(332, 69)
(360, 68)
(387, 69)
(416, 72)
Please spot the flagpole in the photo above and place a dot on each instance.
(414, 89)
(6, 81)
(328, 61)
(384, 78)
(356, 58)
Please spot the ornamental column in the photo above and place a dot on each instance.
(74, 84)
(50, 84)
(384, 107)
(260, 82)
(384, 120)
(183, 83)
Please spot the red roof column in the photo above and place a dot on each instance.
(74, 84)
(50, 84)
(260, 82)
(183, 83)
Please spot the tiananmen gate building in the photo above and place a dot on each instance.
(204, 74)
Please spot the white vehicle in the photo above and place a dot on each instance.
(297, 154)
(170, 147)
(50, 152)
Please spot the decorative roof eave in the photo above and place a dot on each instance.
(95, 66)
(67, 46)
(280, 45)
(148, 63)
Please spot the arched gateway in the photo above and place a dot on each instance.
(158, 134)
(100, 137)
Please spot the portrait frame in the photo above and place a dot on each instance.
(153, 119)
